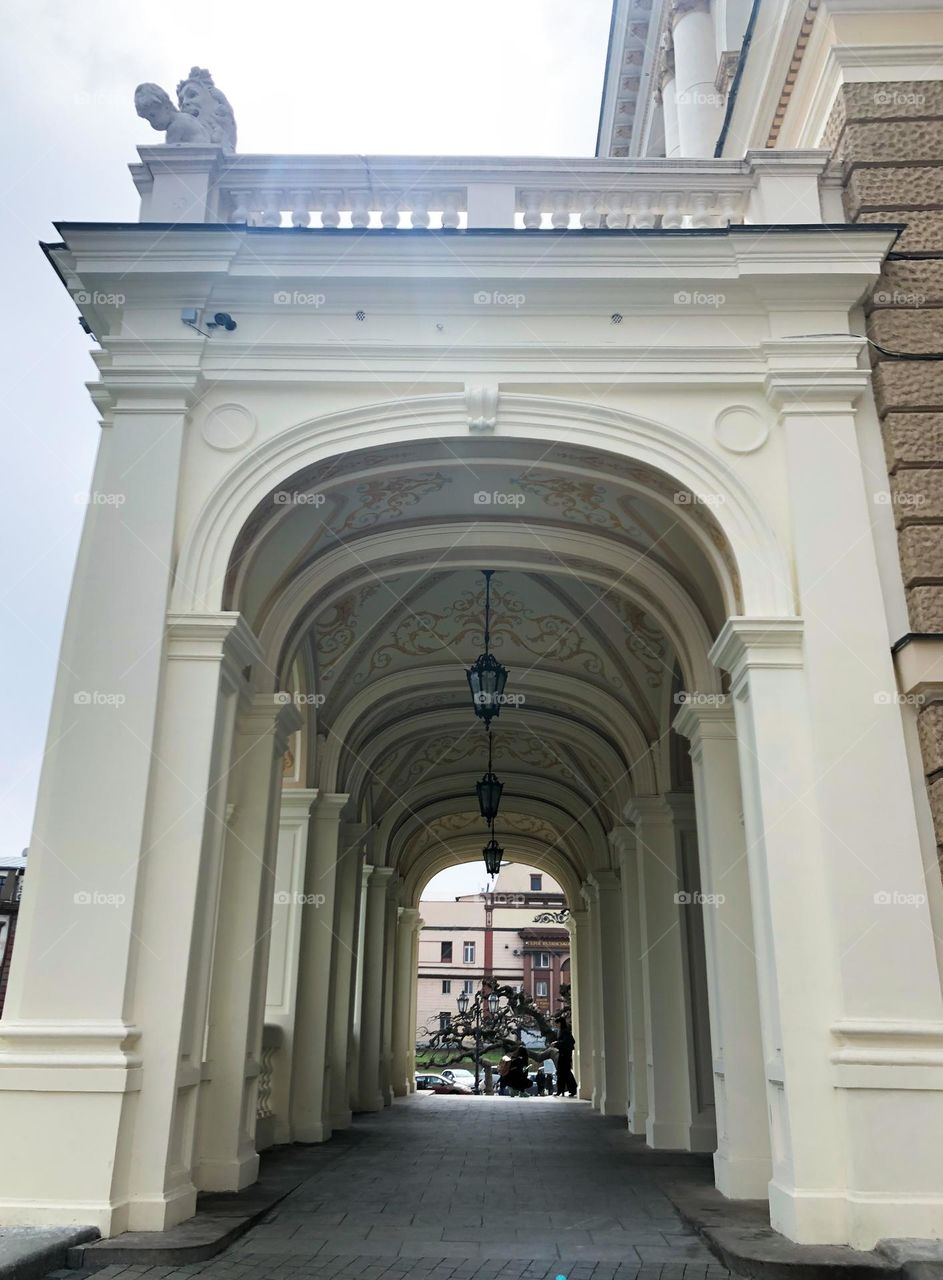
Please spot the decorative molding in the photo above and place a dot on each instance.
(228, 426)
(482, 405)
(747, 643)
(740, 429)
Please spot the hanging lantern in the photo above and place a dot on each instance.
(493, 855)
(487, 677)
(489, 790)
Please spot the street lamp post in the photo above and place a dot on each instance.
(493, 1000)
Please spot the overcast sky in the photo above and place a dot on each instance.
(493, 77)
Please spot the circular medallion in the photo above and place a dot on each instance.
(228, 426)
(740, 429)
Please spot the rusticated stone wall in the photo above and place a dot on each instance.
(888, 139)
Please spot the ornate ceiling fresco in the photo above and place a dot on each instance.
(377, 554)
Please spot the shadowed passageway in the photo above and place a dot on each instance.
(450, 1188)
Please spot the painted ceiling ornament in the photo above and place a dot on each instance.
(202, 117)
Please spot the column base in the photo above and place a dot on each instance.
(858, 1219)
(668, 1135)
(369, 1104)
(312, 1131)
(342, 1120)
(158, 1213)
(741, 1178)
(585, 1093)
(703, 1135)
(610, 1106)
(228, 1175)
(637, 1121)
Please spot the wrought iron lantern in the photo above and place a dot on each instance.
(493, 855)
(463, 1003)
(487, 677)
(493, 1002)
(489, 790)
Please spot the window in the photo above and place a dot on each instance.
(536, 884)
(468, 986)
(445, 954)
(542, 960)
(445, 1021)
(540, 989)
(468, 952)
(446, 986)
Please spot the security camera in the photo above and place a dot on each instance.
(223, 320)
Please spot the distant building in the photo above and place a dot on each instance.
(12, 871)
(516, 933)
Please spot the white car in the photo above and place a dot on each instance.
(458, 1075)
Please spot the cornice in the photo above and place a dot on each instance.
(747, 643)
(713, 718)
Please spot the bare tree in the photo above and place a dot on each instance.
(499, 1032)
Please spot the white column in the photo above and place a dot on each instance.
(667, 92)
(593, 953)
(673, 1103)
(623, 840)
(389, 970)
(311, 1077)
(343, 978)
(226, 1158)
(850, 988)
(370, 1098)
(742, 1165)
(700, 104)
(404, 1029)
(612, 1080)
(285, 943)
(414, 1009)
(354, 1081)
(584, 1030)
(68, 1010)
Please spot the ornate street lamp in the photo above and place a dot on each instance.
(493, 1002)
(489, 790)
(493, 854)
(487, 678)
(463, 1003)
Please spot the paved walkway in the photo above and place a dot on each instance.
(452, 1188)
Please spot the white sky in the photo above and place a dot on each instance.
(491, 77)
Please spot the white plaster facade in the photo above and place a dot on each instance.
(700, 537)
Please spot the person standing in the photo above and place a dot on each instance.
(565, 1045)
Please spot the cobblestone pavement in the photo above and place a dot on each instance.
(451, 1188)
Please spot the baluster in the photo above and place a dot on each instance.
(701, 213)
(419, 217)
(300, 210)
(643, 215)
(240, 211)
(731, 208)
(389, 215)
(533, 214)
(330, 215)
(671, 215)
(617, 215)
(450, 209)
(271, 209)
(591, 217)
(360, 208)
(560, 216)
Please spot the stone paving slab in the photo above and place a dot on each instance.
(27, 1252)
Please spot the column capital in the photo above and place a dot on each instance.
(807, 378)
(681, 8)
(380, 877)
(708, 715)
(605, 878)
(623, 840)
(209, 637)
(748, 643)
(409, 917)
(329, 804)
(265, 714)
(296, 803)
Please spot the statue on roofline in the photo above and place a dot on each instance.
(202, 116)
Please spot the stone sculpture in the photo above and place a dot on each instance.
(202, 116)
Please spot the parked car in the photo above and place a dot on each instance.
(431, 1082)
(458, 1075)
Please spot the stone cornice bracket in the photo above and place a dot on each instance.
(605, 878)
(705, 715)
(815, 375)
(665, 64)
(269, 713)
(757, 643)
(665, 808)
(622, 839)
(329, 804)
(481, 404)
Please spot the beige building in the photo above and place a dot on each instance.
(515, 932)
